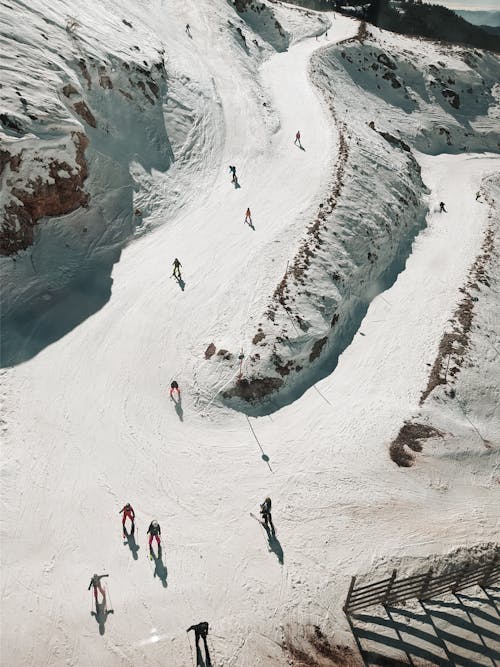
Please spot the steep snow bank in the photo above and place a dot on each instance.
(108, 98)
(387, 101)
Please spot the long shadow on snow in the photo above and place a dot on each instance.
(356, 307)
(27, 330)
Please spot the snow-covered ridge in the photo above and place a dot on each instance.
(107, 98)
(389, 95)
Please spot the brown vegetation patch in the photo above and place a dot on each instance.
(42, 199)
(454, 344)
(210, 351)
(260, 335)
(410, 437)
(253, 390)
(319, 651)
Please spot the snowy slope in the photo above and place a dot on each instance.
(87, 421)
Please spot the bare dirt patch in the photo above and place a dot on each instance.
(319, 651)
(454, 344)
(408, 440)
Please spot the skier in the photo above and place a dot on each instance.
(442, 208)
(297, 138)
(174, 387)
(176, 272)
(248, 216)
(265, 510)
(233, 172)
(128, 512)
(188, 30)
(154, 530)
(96, 583)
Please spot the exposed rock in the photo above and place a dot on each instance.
(317, 348)
(7, 159)
(41, 199)
(253, 390)
(83, 67)
(408, 440)
(383, 59)
(82, 110)
(452, 97)
(210, 351)
(69, 90)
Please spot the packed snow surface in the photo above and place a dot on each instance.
(89, 425)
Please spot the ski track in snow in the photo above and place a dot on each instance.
(90, 425)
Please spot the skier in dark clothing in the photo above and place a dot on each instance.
(297, 138)
(96, 583)
(248, 216)
(188, 29)
(265, 510)
(154, 530)
(177, 272)
(442, 208)
(174, 387)
(128, 512)
(232, 170)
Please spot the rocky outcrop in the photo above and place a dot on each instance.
(62, 192)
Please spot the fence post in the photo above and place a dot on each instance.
(460, 574)
(484, 581)
(346, 605)
(425, 585)
(389, 586)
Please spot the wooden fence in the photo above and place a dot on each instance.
(424, 586)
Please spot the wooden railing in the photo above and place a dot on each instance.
(424, 586)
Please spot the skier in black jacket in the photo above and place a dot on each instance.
(154, 530)
(265, 510)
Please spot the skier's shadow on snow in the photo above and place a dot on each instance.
(237, 186)
(301, 147)
(274, 544)
(180, 282)
(132, 544)
(201, 633)
(101, 616)
(250, 224)
(178, 408)
(160, 570)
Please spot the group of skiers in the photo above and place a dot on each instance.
(154, 532)
(234, 179)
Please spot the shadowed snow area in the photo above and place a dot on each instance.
(332, 304)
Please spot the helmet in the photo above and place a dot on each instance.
(95, 576)
(155, 522)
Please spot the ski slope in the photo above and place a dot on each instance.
(89, 425)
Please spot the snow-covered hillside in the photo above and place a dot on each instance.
(347, 272)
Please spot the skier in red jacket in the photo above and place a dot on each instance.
(128, 512)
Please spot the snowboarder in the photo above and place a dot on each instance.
(233, 172)
(442, 208)
(248, 216)
(176, 272)
(128, 512)
(265, 510)
(297, 139)
(154, 530)
(174, 387)
(96, 583)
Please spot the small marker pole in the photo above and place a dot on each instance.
(241, 357)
